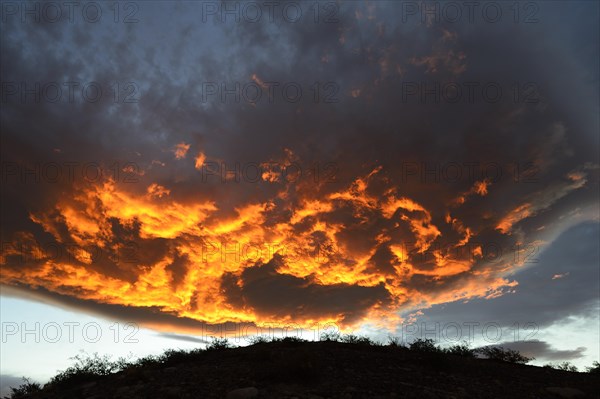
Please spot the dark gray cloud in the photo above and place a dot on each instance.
(147, 317)
(280, 296)
(373, 57)
(543, 351)
(185, 338)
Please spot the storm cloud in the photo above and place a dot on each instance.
(421, 164)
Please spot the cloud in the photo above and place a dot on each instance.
(365, 207)
(291, 299)
(542, 350)
(144, 316)
(180, 150)
(185, 338)
(540, 297)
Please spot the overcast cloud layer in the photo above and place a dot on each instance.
(360, 187)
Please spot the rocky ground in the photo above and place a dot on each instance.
(330, 370)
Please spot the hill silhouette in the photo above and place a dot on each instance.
(348, 367)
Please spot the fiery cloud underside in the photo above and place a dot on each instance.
(381, 240)
(346, 256)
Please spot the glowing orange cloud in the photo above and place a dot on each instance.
(199, 160)
(211, 258)
(180, 150)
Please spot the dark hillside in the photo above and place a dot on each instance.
(326, 369)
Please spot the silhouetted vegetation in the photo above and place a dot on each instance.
(289, 340)
(503, 354)
(219, 344)
(146, 361)
(565, 366)
(424, 345)
(595, 368)
(568, 366)
(395, 342)
(461, 350)
(355, 339)
(24, 389)
(259, 339)
(299, 366)
(87, 368)
(174, 356)
(331, 336)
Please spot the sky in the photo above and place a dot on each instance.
(175, 171)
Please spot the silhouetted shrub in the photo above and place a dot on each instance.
(331, 336)
(355, 339)
(174, 356)
(25, 389)
(293, 339)
(565, 366)
(290, 340)
(461, 350)
(503, 354)
(86, 368)
(595, 368)
(424, 345)
(395, 342)
(146, 361)
(122, 363)
(259, 339)
(219, 344)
